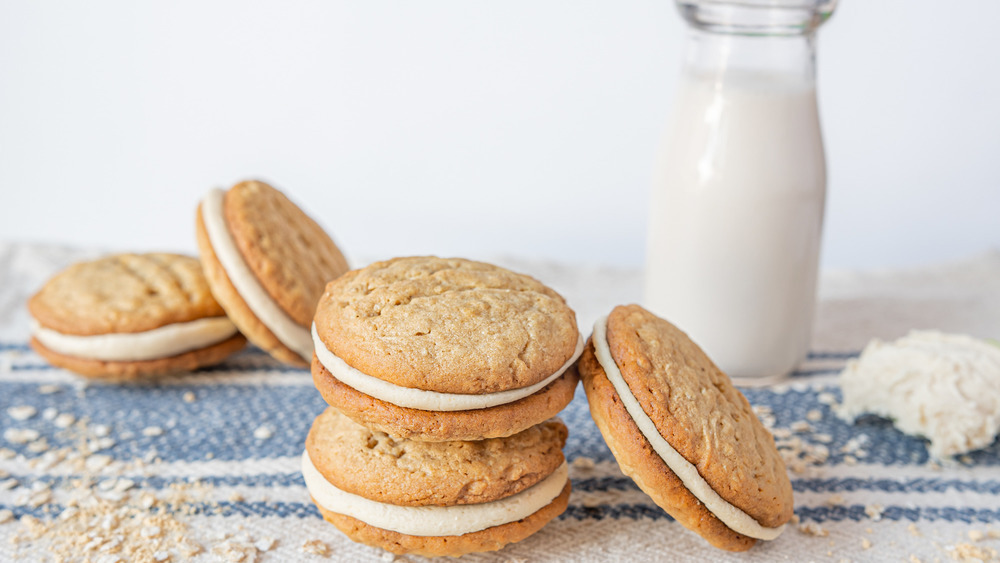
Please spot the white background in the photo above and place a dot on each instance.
(465, 127)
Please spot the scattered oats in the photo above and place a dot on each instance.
(101, 444)
(781, 433)
(161, 556)
(20, 435)
(101, 430)
(845, 560)
(147, 501)
(814, 415)
(824, 438)
(8, 484)
(263, 432)
(795, 519)
(97, 462)
(912, 528)
(874, 511)
(316, 547)
(388, 557)
(827, 398)
(152, 431)
(64, 420)
(813, 529)
(6, 516)
(236, 497)
(801, 426)
(591, 501)
(869, 531)
(993, 534)
(39, 498)
(933, 465)
(210, 455)
(866, 543)
(861, 453)
(914, 559)
(23, 412)
(835, 500)
(966, 459)
(49, 389)
(850, 460)
(6, 453)
(976, 535)
(583, 462)
(265, 543)
(189, 397)
(4, 474)
(150, 531)
(969, 552)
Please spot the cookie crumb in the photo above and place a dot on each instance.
(189, 397)
(801, 426)
(316, 547)
(8, 484)
(152, 431)
(6, 453)
(388, 557)
(23, 412)
(814, 415)
(583, 462)
(976, 535)
(263, 432)
(813, 529)
(835, 500)
(914, 559)
(6, 516)
(49, 389)
(866, 543)
(850, 460)
(236, 497)
(874, 511)
(912, 528)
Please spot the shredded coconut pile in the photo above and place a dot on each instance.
(943, 387)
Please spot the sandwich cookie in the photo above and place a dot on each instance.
(682, 432)
(444, 349)
(130, 316)
(435, 498)
(267, 263)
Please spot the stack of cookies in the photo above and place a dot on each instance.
(442, 376)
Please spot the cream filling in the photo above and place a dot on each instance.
(288, 332)
(433, 520)
(420, 398)
(731, 516)
(162, 342)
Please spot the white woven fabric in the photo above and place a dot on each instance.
(251, 487)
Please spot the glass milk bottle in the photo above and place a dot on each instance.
(737, 207)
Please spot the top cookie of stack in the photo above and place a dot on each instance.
(267, 263)
(444, 349)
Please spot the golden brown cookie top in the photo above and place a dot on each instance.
(699, 412)
(447, 325)
(290, 255)
(412, 473)
(124, 293)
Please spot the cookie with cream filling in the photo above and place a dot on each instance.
(267, 263)
(131, 316)
(435, 498)
(444, 349)
(682, 432)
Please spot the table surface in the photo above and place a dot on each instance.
(223, 444)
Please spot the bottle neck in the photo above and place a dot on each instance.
(721, 57)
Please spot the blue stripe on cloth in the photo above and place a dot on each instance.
(833, 355)
(913, 514)
(221, 422)
(917, 485)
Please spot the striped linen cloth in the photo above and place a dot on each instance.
(226, 441)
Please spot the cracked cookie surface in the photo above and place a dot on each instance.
(373, 465)
(124, 293)
(447, 325)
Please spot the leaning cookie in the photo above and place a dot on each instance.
(435, 498)
(131, 316)
(682, 432)
(444, 349)
(267, 263)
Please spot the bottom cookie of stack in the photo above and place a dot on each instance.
(435, 498)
